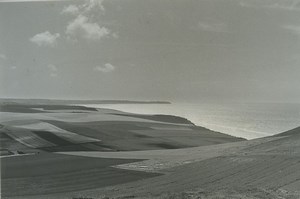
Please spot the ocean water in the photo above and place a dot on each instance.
(247, 120)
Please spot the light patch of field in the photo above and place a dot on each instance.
(28, 138)
(69, 136)
(71, 117)
(189, 137)
(38, 109)
(158, 160)
(10, 117)
(238, 193)
(16, 155)
(62, 110)
(235, 171)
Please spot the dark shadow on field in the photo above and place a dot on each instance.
(65, 145)
(119, 135)
(47, 173)
(133, 135)
(159, 118)
(22, 108)
(165, 145)
(52, 138)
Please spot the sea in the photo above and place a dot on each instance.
(246, 120)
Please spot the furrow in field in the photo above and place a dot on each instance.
(69, 136)
(29, 139)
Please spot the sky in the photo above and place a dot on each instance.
(174, 50)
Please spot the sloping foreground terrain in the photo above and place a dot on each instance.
(266, 168)
(36, 140)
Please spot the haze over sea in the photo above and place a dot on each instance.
(247, 120)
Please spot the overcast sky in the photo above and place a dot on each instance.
(176, 50)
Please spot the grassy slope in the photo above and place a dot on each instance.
(265, 168)
(47, 173)
(127, 132)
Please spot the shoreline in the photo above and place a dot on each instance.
(134, 155)
(256, 122)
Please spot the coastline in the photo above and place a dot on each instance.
(136, 155)
(247, 120)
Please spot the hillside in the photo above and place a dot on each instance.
(34, 139)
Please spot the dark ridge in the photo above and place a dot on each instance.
(209, 132)
(159, 118)
(96, 128)
(67, 148)
(165, 145)
(142, 136)
(5, 152)
(22, 108)
(52, 138)
(66, 102)
(65, 145)
(90, 146)
(65, 107)
(295, 131)
(18, 109)
(3, 135)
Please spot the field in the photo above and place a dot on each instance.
(66, 151)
